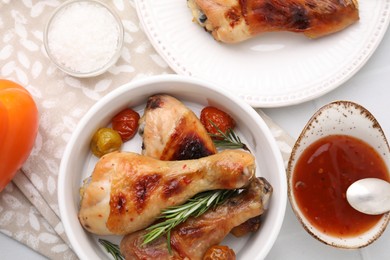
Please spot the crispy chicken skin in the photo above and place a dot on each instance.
(170, 131)
(127, 191)
(234, 21)
(192, 238)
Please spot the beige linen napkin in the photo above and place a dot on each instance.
(62, 100)
(29, 206)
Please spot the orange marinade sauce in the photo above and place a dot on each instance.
(321, 178)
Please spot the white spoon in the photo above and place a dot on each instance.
(370, 196)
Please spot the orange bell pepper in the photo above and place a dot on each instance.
(18, 128)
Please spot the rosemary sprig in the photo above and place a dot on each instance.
(111, 249)
(175, 215)
(228, 139)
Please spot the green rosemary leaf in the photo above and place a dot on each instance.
(169, 242)
(112, 249)
(227, 140)
(194, 207)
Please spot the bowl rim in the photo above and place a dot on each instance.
(97, 71)
(280, 168)
(294, 157)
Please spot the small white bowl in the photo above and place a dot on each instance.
(83, 38)
(77, 162)
(339, 118)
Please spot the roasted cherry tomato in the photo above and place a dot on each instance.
(219, 118)
(126, 123)
(219, 253)
(105, 140)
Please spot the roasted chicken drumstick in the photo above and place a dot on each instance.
(234, 21)
(170, 131)
(192, 238)
(127, 191)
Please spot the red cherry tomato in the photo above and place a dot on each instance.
(126, 123)
(218, 252)
(219, 118)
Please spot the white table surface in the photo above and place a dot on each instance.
(370, 87)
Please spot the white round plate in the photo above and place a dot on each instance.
(78, 162)
(271, 70)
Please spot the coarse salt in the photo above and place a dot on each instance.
(83, 37)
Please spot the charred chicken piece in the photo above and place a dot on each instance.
(249, 226)
(234, 21)
(127, 191)
(171, 131)
(192, 238)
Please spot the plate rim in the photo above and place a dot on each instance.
(279, 100)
